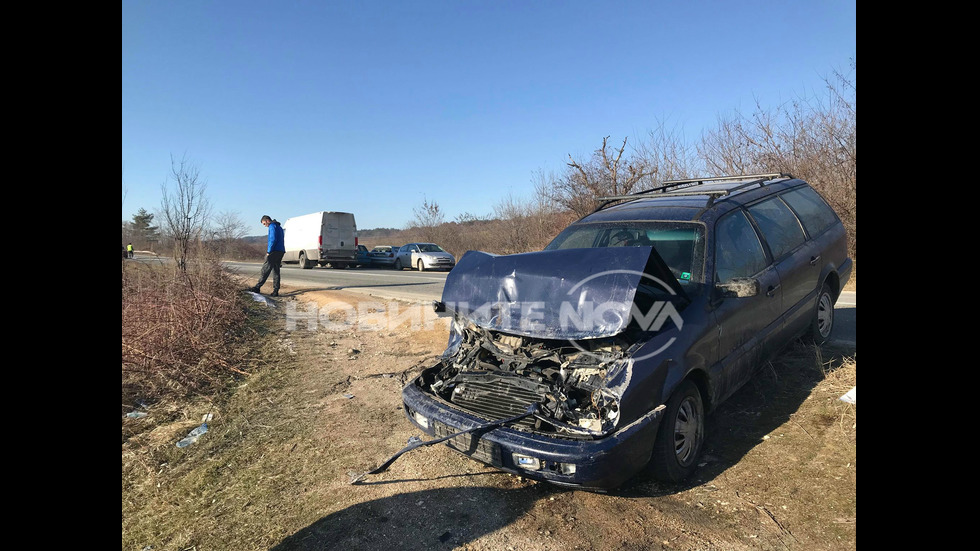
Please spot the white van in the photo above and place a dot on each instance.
(320, 238)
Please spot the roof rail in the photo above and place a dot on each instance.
(756, 179)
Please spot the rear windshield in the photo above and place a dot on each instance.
(680, 244)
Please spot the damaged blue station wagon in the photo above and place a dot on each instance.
(583, 363)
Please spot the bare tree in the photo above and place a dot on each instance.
(185, 208)
(607, 172)
(228, 226)
(428, 218)
(225, 231)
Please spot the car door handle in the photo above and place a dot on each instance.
(814, 260)
(771, 292)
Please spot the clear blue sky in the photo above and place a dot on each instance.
(373, 106)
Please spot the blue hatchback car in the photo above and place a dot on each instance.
(583, 363)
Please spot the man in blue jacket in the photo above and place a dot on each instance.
(273, 258)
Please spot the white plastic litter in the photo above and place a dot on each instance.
(259, 298)
(193, 436)
(851, 396)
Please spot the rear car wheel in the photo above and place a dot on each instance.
(680, 438)
(823, 317)
(421, 266)
(303, 262)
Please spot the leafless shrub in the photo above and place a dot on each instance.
(667, 155)
(178, 329)
(606, 173)
(523, 225)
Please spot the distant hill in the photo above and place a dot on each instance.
(379, 232)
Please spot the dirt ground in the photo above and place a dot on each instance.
(274, 471)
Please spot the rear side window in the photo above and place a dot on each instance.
(779, 226)
(738, 252)
(814, 212)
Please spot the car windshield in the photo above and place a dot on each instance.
(430, 248)
(680, 244)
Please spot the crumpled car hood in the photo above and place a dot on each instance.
(559, 294)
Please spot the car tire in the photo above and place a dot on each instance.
(680, 438)
(303, 262)
(421, 266)
(822, 323)
(398, 264)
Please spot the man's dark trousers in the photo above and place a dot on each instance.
(273, 261)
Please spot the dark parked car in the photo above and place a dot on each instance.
(383, 255)
(363, 257)
(583, 363)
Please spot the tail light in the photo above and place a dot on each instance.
(355, 242)
(319, 240)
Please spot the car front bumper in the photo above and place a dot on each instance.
(431, 264)
(597, 464)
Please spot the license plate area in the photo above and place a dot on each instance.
(473, 446)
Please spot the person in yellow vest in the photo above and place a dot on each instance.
(129, 250)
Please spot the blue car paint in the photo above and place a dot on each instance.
(712, 351)
(600, 464)
(606, 276)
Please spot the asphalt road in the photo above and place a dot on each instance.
(424, 287)
(408, 285)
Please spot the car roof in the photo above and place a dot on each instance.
(701, 201)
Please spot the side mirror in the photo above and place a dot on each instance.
(739, 287)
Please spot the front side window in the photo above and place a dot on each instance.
(738, 251)
(779, 226)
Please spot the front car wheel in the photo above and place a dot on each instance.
(680, 438)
